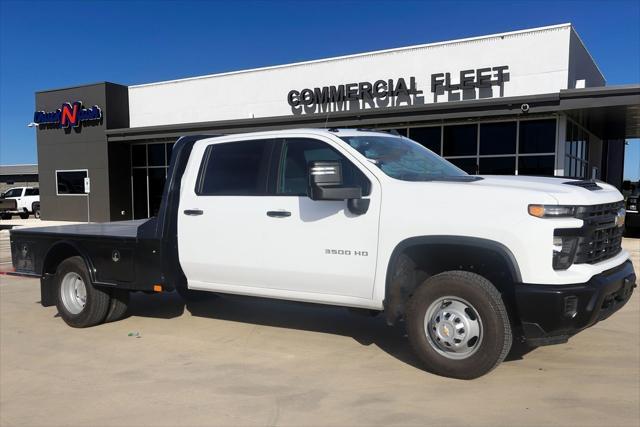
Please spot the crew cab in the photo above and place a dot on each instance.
(361, 219)
(27, 202)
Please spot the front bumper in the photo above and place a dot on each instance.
(550, 314)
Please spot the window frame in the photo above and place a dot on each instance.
(57, 171)
(277, 161)
(264, 173)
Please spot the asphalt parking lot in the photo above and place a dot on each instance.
(243, 361)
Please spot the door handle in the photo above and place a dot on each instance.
(193, 212)
(278, 214)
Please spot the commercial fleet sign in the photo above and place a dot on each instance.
(370, 93)
(68, 115)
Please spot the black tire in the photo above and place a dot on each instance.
(496, 337)
(118, 305)
(97, 299)
(5, 216)
(24, 215)
(35, 208)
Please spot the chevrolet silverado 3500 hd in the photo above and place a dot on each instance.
(360, 219)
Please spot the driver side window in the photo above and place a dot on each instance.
(293, 177)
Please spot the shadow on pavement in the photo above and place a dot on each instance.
(365, 330)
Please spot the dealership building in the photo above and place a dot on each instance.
(529, 102)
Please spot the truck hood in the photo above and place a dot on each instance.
(557, 188)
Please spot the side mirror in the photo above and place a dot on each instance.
(1, 195)
(325, 183)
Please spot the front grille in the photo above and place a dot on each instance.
(605, 239)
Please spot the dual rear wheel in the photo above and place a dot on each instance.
(81, 304)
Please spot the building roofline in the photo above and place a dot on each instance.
(589, 53)
(358, 55)
(74, 87)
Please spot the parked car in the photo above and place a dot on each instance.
(27, 202)
(367, 220)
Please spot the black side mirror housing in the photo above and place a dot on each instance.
(325, 183)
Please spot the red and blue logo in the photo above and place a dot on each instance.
(68, 115)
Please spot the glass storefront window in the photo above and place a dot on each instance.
(468, 165)
(536, 165)
(460, 140)
(498, 138)
(538, 136)
(428, 137)
(498, 165)
(149, 165)
(156, 153)
(576, 152)
(139, 155)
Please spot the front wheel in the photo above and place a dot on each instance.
(80, 304)
(458, 325)
(24, 215)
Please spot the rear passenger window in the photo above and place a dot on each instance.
(235, 169)
(32, 192)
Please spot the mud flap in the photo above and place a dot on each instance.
(48, 291)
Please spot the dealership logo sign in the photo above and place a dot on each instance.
(69, 115)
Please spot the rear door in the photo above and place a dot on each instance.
(221, 218)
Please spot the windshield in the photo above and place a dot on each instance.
(404, 159)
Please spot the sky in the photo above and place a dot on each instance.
(47, 45)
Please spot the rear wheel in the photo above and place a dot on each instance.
(24, 215)
(118, 305)
(458, 325)
(80, 304)
(36, 210)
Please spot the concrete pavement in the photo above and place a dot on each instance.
(247, 361)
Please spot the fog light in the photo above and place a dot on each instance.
(564, 250)
(570, 306)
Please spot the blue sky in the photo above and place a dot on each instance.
(45, 45)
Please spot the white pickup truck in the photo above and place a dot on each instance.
(361, 219)
(27, 202)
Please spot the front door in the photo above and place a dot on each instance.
(319, 246)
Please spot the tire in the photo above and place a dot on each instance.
(24, 215)
(449, 300)
(35, 208)
(69, 301)
(118, 305)
(5, 216)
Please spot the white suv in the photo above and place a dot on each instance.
(27, 202)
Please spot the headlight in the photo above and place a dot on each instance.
(564, 251)
(551, 211)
